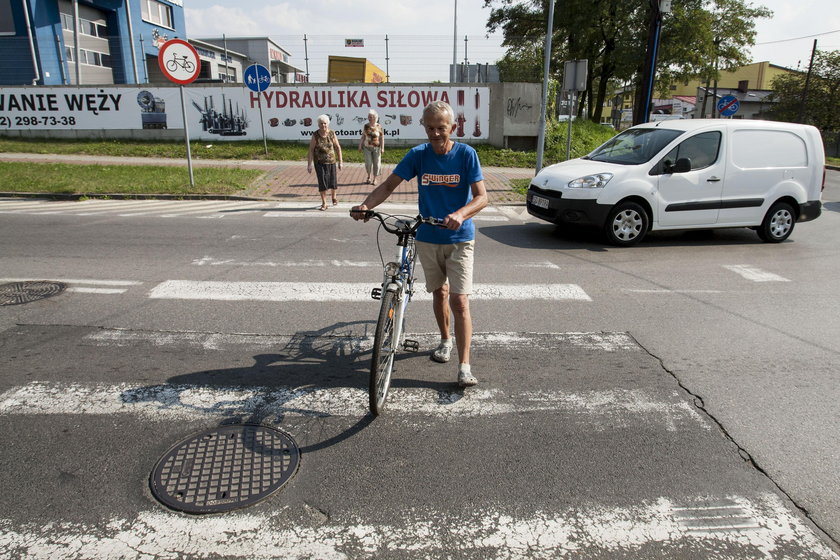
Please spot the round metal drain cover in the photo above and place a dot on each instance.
(225, 468)
(15, 293)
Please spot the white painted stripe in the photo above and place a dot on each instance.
(755, 274)
(598, 410)
(342, 214)
(345, 346)
(602, 531)
(97, 290)
(210, 261)
(78, 281)
(672, 291)
(348, 291)
(544, 264)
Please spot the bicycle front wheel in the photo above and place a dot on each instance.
(384, 350)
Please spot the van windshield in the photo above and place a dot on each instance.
(634, 146)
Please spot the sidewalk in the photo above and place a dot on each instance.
(288, 180)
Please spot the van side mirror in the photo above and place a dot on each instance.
(683, 165)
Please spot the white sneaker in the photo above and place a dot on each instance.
(466, 378)
(442, 352)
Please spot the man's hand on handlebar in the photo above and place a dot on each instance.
(453, 221)
(360, 212)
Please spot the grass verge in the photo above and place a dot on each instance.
(60, 178)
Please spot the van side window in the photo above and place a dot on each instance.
(701, 149)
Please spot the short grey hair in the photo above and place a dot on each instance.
(440, 108)
(323, 118)
(374, 113)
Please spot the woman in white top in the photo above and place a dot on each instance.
(372, 143)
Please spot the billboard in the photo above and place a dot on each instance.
(232, 112)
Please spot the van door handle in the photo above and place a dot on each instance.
(713, 179)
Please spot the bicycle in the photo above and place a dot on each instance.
(174, 64)
(395, 294)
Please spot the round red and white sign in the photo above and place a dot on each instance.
(178, 61)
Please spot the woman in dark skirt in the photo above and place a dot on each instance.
(325, 150)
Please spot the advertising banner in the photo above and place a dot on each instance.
(232, 113)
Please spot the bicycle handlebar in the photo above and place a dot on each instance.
(418, 220)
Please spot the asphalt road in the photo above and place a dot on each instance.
(677, 399)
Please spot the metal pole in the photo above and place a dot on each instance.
(259, 104)
(387, 75)
(145, 64)
(227, 67)
(187, 136)
(31, 45)
(807, 83)
(306, 57)
(572, 103)
(131, 41)
(452, 72)
(544, 104)
(76, 40)
(61, 59)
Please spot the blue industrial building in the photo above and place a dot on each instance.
(61, 42)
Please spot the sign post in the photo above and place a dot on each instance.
(179, 62)
(257, 78)
(574, 80)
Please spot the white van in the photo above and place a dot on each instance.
(689, 174)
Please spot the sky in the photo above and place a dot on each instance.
(421, 34)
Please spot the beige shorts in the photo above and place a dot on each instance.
(453, 262)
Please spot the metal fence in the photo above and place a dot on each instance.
(404, 58)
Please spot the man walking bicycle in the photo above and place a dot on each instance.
(450, 185)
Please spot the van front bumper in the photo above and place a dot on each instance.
(567, 211)
(810, 210)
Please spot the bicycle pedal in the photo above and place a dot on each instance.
(376, 293)
(411, 345)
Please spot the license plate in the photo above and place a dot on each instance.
(539, 201)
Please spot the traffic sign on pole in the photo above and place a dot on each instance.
(178, 60)
(257, 77)
(728, 106)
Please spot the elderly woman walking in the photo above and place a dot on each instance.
(372, 143)
(326, 151)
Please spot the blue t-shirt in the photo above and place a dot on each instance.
(444, 186)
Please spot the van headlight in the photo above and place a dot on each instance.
(597, 181)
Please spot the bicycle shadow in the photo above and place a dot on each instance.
(315, 376)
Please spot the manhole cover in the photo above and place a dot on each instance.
(14, 293)
(225, 468)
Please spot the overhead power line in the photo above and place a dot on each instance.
(798, 38)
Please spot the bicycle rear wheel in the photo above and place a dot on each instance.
(384, 349)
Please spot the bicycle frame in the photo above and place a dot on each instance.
(402, 283)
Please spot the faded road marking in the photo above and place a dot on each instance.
(346, 291)
(590, 529)
(754, 274)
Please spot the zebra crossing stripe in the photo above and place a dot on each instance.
(345, 291)
(603, 531)
(755, 274)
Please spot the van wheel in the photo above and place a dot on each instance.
(627, 224)
(778, 223)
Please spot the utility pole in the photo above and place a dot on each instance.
(807, 83)
(454, 71)
(544, 104)
(642, 109)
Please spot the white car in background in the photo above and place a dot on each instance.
(689, 174)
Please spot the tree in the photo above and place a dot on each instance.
(612, 34)
(823, 97)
